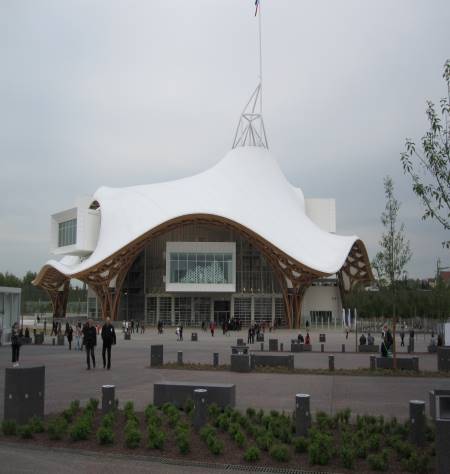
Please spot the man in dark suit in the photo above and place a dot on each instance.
(108, 338)
(90, 341)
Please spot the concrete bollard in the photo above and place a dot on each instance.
(322, 347)
(53, 342)
(216, 359)
(442, 420)
(180, 357)
(302, 414)
(200, 408)
(262, 346)
(417, 422)
(108, 398)
(331, 363)
(156, 355)
(343, 347)
(281, 347)
(373, 362)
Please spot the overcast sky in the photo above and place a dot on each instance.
(128, 92)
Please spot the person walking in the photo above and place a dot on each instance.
(69, 335)
(90, 341)
(181, 332)
(78, 333)
(15, 344)
(402, 336)
(109, 339)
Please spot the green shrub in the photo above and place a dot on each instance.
(56, 428)
(188, 406)
(417, 463)
(92, 404)
(156, 438)
(128, 407)
(362, 449)
(215, 445)
(223, 422)
(300, 444)
(9, 427)
(320, 449)
(259, 415)
(108, 420)
(233, 428)
(342, 417)
(36, 424)
(252, 454)
(74, 405)
(213, 410)
(251, 414)
(150, 412)
(374, 442)
(182, 441)
(168, 407)
(403, 449)
(132, 436)
(80, 430)
(239, 438)
(105, 435)
(206, 432)
(264, 441)
(280, 452)
(379, 462)
(25, 431)
(348, 457)
(323, 420)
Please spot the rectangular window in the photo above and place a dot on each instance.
(67, 233)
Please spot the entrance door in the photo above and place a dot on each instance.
(221, 311)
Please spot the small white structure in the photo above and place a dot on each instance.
(9, 311)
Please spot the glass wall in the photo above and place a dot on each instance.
(200, 267)
(151, 310)
(243, 310)
(183, 310)
(263, 310)
(67, 233)
(165, 310)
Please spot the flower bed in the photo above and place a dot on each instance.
(366, 445)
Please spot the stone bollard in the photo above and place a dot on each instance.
(180, 357)
(417, 422)
(281, 347)
(322, 347)
(156, 355)
(302, 414)
(331, 363)
(416, 363)
(53, 342)
(108, 398)
(373, 362)
(442, 420)
(194, 337)
(343, 347)
(216, 359)
(24, 394)
(262, 346)
(200, 408)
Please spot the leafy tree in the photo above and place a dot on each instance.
(395, 253)
(429, 166)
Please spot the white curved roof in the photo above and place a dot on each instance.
(247, 186)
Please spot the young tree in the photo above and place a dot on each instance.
(390, 262)
(429, 167)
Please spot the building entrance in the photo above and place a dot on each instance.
(221, 311)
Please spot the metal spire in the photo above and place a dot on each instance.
(250, 130)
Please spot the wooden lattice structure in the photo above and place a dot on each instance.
(107, 277)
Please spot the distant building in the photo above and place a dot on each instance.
(9, 311)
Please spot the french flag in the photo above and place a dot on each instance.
(256, 6)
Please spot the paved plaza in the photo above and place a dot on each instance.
(67, 378)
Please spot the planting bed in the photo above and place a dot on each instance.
(365, 445)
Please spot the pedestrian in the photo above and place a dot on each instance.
(177, 332)
(78, 333)
(69, 335)
(249, 335)
(142, 327)
(45, 327)
(346, 332)
(212, 327)
(90, 341)
(15, 344)
(402, 336)
(181, 332)
(307, 339)
(109, 339)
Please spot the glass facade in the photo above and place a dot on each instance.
(67, 233)
(201, 268)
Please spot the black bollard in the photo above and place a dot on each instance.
(322, 347)
(200, 408)
(216, 359)
(262, 346)
(156, 355)
(373, 362)
(281, 347)
(331, 363)
(108, 398)
(302, 414)
(417, 422)
(180, 357)
(343, 347)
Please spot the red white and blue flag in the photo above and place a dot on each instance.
(256, 6)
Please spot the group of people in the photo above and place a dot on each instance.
(130, 327)
(369, 340)
(304, 340)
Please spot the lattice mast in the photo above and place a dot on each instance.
(250, 130)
